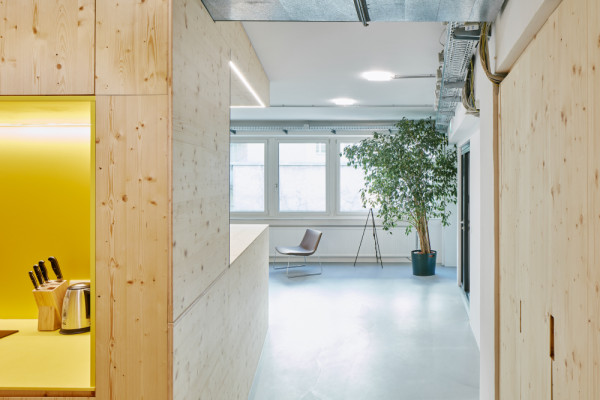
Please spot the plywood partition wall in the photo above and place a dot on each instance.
(132, 47)
(201, 153)
(549, 337)
(593, 175)
(132, 247)
(47, 47)
(159, 69)
(207, 293)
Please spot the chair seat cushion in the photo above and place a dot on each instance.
(294, 251)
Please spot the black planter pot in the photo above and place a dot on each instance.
(423, 264)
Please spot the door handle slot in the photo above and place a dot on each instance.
(552, 337)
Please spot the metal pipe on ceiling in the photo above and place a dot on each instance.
(362, 10)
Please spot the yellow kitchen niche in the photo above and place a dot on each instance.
(46, 199)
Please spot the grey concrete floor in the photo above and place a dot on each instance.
(367, 334)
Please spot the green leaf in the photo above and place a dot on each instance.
(409, 175)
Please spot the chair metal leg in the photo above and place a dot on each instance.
(275, 267)
(289, 266)
(305, 264)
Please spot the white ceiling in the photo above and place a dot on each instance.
(310, 63)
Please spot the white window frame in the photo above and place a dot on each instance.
(338, 188)
(301, 214)
(253, 214)
(332, 180)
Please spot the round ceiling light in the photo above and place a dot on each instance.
(378, 76)
(343, 101)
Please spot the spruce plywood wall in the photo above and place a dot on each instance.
(47, 48)
(162, 214)
(133, 199)
(549, 214)
(208, 325)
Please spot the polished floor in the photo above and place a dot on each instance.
(367, 333)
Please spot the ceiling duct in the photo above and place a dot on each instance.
(346, 11)
(362, 10)
(457, 56)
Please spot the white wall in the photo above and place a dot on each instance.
(341, 240)
(516, 25)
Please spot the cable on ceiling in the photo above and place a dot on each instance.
(484, 55)
(468, 91)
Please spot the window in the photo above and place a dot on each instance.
(302, 177)
(247, 177)
(298, 176)
(351, 180)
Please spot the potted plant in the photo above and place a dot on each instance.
(410, 176)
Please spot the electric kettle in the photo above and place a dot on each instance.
(76, 309)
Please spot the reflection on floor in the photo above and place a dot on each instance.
(367, 334)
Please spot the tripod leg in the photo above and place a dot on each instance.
(363, 235)
(376, 241)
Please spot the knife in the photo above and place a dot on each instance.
(44, 270)
(35, 285)
(38, 274)
(56, 268)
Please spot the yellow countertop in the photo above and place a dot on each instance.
(43, 360)
(241, 236)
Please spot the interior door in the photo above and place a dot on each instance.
(464, 220)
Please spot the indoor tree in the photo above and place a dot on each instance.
(410, 175)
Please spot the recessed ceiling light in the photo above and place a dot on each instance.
(343, 101)
(378, 75)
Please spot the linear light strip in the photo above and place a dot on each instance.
(248, 86)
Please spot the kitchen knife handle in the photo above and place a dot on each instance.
(44, 270)
(56, 268)
(38, 274)
(35, 285)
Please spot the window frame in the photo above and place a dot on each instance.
(271, 142)
(252, 214)
(338, 194)
(276, 186)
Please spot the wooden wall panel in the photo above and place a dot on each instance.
(218, 340)
(593, 291)
(132, 48)
(200, 153)
(219, 316)
(132, 246)
(47, 47)
(44, 396)
(569, 217)
(509, 290)
(544, 217)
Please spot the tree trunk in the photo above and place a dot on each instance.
(423, 232)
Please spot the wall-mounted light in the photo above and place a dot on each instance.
(333, 131)
(239, 74)
(232, 131)
(343, 101)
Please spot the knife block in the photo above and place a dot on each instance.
(49, 299)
